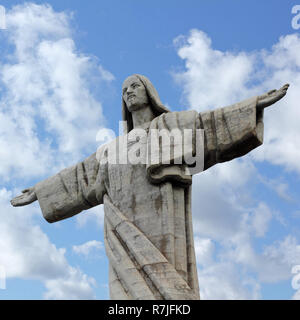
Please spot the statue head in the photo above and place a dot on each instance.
(138, 92)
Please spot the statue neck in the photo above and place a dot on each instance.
(141, 116)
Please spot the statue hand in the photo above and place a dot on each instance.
(271, 97)
(27, 197)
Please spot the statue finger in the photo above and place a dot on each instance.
(271, 91)
(286, 86)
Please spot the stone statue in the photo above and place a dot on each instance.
(148, 228)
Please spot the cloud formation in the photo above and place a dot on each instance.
(86, 248)
(46, 102)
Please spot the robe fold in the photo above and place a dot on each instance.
(148, 228)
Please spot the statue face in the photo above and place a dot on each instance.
(134, 94)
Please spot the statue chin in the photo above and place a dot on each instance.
(132, 107)
(135, 106)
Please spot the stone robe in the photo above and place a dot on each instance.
(148, 228)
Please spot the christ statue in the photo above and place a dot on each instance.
(148, 230)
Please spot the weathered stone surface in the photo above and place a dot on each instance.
(148, 229)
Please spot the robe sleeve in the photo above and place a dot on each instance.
(231, 132)
(72, 190)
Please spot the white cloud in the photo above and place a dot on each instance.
(76, 286)
(280, 187)
(223, 281)
(48, 114)
(93, 216)
(106, 75)
(260, 219)
(219, 198)
(87, 247)
(211, 78)
(287, 251)
(204, 249)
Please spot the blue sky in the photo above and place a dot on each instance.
(62, 66)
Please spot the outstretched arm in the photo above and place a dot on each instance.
(235, 130)
(67, 193)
